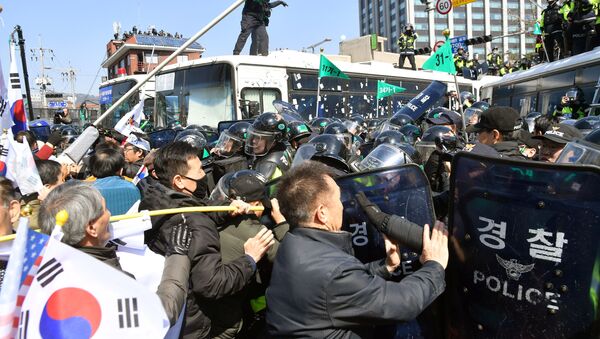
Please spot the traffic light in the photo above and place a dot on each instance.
(428, 4)
(421, 51)
(479, 40)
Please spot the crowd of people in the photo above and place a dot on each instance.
(151, 31)
(285, 269)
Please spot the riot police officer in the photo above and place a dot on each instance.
(572, 105)
(406, 42)
(494, 60)
(229, 150)
(266, 145)
(551, 25)
(460, 61)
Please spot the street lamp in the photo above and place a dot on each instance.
(312, 47)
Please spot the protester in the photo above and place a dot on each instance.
(255, 19)
(10, 209)
(182, 183)
(319, 289)
(134, 150)
(106, 166)
(88, 230)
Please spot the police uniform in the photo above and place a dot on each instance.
(406, 42)
(495, 62)
(551, 25)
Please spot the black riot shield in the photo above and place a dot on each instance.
(525, 249)
(403, 191)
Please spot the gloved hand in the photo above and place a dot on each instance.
(180, 240)
(378, 218)
(55, 138)
(284, 4)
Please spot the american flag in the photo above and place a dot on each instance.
(36, 243)
(25, 254)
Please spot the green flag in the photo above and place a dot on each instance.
(328, 69)
(537, 30)
(385, 90)
(442, 60)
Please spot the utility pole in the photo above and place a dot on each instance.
(24, 67)
(42, 81)
(70, 75)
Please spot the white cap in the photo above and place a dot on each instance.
(138, 142)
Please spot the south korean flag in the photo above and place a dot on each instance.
(75, 295)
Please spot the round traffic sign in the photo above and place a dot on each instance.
(443, 6)
(438, 45)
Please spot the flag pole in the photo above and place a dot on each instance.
(462, 111)
(318, 95)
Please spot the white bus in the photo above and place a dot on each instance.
(541, 88)
(214, 89)
(112, 90)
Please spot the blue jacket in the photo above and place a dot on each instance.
(320, 290)
(119, 194)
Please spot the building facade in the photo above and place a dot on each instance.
(482, 17)
(141, 53)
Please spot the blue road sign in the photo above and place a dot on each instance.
(458, 42)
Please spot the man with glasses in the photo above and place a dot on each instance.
(134, 150)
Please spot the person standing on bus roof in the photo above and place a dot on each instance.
(406, 42)
(551, 25)
(255, 19)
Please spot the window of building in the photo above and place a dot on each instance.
(151, 58)
(496, 16)
(459, 27)
(420, 14)
(182, 58)
(440, 27)
(513, 40)
(477, 27)
(513, 5)
(477, 4)
(495, 4)
(496, 28)
(477, 16)
(402, 5)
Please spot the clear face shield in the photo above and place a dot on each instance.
(305, 152)
(353, 127)
(258, 143)
(572, 95)
(425, 148)
(384, 156)
(579, 153)
(220, 192)
(472, 115)
(227, 145)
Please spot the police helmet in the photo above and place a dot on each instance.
(436, 112)
(412, 133)
(390, 137)
(267, 130)
(245, 185)
(467, 98)
(401, 120)
(195, 139)
(328, 148)
(69, 134)
(354, 127)
(436, 137)
(593, 136)
(40, 129)
(409, 27)
(482, 105)
(338, 128)
(319, 124)
(587, 124)
(232, 140)
(161, 137)
(298, 130)
(574, 94)
(384, 155)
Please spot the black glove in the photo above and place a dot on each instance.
(180, 240)
(398, 229)
(54, 138)
(377, 218)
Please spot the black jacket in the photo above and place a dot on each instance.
(210, 279)
(320, 290)
(509, 149)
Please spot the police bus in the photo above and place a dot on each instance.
(214, 89)
(540, 88)
(112, 90)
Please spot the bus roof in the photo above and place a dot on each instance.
(136, 77)
(300, 60)
(546, 69)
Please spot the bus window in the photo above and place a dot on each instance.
(334, 84)
(305, 103)
(263, 96)
(333, 106)
(302, 81)
(588, 75)
(561, 80)
(200, 95)
(525, 103)
(550, 99)
(365, 84)
(363, 104)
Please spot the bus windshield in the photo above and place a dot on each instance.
(200, 95)
(110, 94)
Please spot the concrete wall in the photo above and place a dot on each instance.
(359, 50)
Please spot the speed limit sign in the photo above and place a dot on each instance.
(443, 6)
